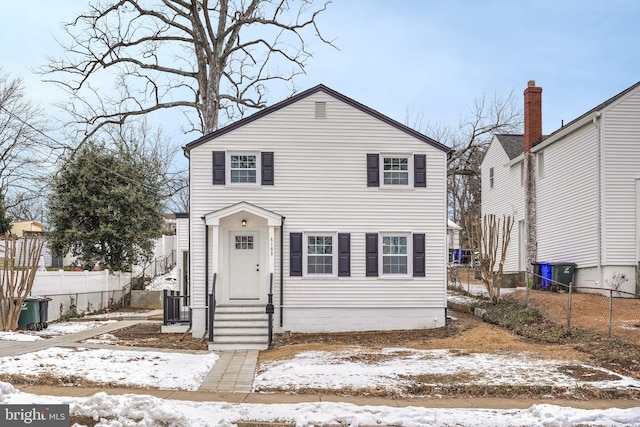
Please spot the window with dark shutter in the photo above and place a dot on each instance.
(371, 248)
(267, 168)
(344, 254)
(373, 170)
(295, 254)
(419, 170)
(419, 255)
(219, 159)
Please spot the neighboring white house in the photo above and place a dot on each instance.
(453, 238)
(336, 208)
(587, 178)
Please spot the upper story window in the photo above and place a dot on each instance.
(243, 168)
(396, 170)
(490, 177)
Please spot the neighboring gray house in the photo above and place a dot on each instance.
(587, 180)
(339, 210)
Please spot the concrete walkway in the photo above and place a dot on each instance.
(233, 372)
(269, 398)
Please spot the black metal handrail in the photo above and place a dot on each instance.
(175, 308)
(270, 310)
(212, 307)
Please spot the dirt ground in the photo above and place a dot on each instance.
(466, 333)
(149, 335)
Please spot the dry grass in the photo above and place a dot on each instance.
(468, 334)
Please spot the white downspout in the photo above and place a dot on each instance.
(598, 117)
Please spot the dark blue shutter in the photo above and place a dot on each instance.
(267, 168)
(344, 254)
(373, 170)
(219, 159)
(371, 247)
(418, 255)
(295, 254)
(419, 170)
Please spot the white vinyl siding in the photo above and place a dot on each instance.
(621, 159)
(506, 198)
(567, 200)
(321, 185)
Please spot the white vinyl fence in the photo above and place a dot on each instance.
(87, 291)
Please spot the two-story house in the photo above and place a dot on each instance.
(336, 210)
(587, 189)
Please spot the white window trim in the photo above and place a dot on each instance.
(227, 169)
(491, 177)
(305, 254)
(410, 171)
(409, 237)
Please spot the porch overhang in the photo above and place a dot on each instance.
(213, 218)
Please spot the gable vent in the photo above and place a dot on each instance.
(321, 110)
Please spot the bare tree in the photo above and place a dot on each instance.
(26, 154)
(488, 116)
(491, 236)
(199, 56)
(18, 269)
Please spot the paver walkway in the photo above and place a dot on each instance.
(233, 372)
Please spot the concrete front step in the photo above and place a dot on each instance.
(240, 327)
(258, 345)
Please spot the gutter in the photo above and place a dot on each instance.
(281, 269)
(597, 117)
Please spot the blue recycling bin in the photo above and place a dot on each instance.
(546, 271)
(543, 274)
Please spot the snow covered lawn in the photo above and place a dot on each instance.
(149, 411)
(393, 371)
(142, 369)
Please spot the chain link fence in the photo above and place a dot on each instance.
(612, 312)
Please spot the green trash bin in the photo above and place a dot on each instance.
(30, 314)
(564, 272)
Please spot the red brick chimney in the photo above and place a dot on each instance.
(532, 115)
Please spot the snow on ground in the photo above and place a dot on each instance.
(148, 411)
(183, 371)
(166, 281)
(54, 329)
(116, 314)
(394, 366)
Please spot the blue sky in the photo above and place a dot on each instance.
(433, 57)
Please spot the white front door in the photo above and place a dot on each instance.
(244, 265)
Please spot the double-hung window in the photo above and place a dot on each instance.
(320, 251)
(395, 254)
(395, 170)
(243, 168)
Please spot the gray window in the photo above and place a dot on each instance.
(395, 171)
(394, 255)
(319, 254)
(243, 168)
